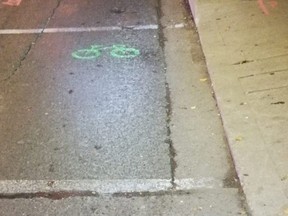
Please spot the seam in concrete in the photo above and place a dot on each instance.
(172, 151)
(272, 72)
(268, 89)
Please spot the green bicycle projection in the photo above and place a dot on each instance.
(116, 51)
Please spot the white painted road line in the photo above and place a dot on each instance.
(176, 26)
(205, 183)
(81, 29)
(104, 186)
(97, 186)
(85, 29)
(145, 27)
(20, 31)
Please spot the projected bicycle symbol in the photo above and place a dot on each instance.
(116, 51)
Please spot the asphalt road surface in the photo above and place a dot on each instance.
(69, 118)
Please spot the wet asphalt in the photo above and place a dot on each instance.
(68, 118)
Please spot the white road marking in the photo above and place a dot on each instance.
(188, 184)
(86, 29)
(145, 27)
(8, 187)
(176, 26)
(20, 31)
(80, 29)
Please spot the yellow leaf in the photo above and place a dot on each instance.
(284, 178)
(239, 138)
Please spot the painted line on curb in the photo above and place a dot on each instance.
(176, 26)
(8, 187)
(191, 183)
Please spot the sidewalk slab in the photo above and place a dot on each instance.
(246, 48)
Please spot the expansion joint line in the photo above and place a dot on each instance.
(172, 152)
(61, 189)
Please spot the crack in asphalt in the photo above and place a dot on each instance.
(172, 151)
(27, 51)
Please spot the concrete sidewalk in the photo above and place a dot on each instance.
(246, 48)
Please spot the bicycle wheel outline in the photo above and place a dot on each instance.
(86, 54)
(123, 50)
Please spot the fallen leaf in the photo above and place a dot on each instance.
(203, 80)
(239, 138)
(284, 178)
